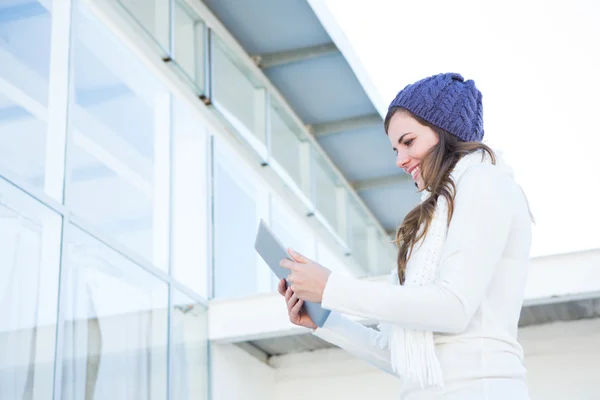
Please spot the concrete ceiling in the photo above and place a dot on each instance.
(530, 315)
(296, 53)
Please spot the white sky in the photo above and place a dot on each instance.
(537, 63)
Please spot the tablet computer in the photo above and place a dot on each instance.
(273, 251)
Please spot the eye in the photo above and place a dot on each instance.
(408, 142)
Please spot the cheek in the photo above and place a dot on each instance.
(423, 148)
(419, 151)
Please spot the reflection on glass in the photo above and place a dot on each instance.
(188, 54)
(115, 332)
(189, 351)
(190, 203)
(291, 233)
(25, 29)
(119, 164)
(237, 94)
(154, 16)
(235, 224)
(359, 231)
(29, 270)
(386, 254)
(288, 146)
(329, 195)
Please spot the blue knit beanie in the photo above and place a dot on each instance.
(446, 101)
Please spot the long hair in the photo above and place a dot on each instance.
(436, 167)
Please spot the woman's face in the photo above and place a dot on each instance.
(411, 141)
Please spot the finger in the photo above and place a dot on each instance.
(288, 264)
(295, 311)
(281, 287)
(288, 294)
(298, 257)
(292, 301)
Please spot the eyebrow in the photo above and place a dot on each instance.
(402, 137)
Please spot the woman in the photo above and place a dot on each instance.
(448, 320)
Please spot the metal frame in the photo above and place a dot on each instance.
(208, 65)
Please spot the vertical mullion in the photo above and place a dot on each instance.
(210, 210)
(268, 131)
(63, 298)
(170, 341)
(47, 294)
(208, 64)
(172, 47)
(58, 99)
(170, 224)
(57, 181)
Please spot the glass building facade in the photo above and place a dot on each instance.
(102, 199)
(123, 211)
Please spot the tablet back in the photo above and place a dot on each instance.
(272, 252)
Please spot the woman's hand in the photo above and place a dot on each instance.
(307, 278)
(294, 305)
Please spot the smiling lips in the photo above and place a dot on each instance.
(414, 172)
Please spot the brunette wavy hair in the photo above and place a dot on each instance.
(436, 167)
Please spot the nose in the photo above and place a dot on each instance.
(402, 160)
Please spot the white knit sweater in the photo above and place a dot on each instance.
(473, 308)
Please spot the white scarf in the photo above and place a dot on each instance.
(412, 351)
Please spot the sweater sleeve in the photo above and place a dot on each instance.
(475, 242)
(361, 341)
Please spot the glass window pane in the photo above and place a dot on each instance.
(329, 195)
(291, 232)
(115, 332)
(190, 202)
(331, 260)
(25, 31)
(29, 269)
(386, 255)
(237, 95)
(237, 271)
(188, 54)
(288, 143)
(119, 158)
(153, 16)
(189, 351)
(359, 241)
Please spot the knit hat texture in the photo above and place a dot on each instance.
(446, 101)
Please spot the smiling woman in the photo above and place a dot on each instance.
(448, 315)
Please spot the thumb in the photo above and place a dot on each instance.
(298, 257)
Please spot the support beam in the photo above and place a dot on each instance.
(327, 128)
(384, 181)
(270, 60)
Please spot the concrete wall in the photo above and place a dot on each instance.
(563, 360)
(237, 375)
